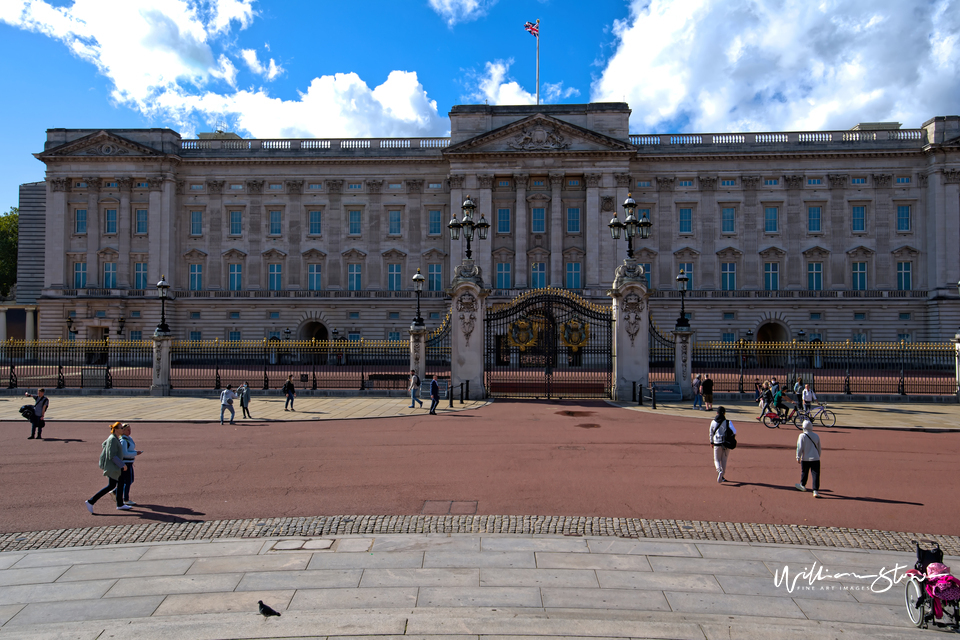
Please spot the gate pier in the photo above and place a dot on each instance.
(631, 317)
(466, 323)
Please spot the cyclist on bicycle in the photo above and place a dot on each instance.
(782, 409)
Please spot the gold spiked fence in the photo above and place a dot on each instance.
(65, 364)
(903, 368)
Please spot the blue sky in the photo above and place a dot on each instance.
(372, 68)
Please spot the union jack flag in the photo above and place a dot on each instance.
(533, 28)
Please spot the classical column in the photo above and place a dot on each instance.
(631, 322)
(213, 278)
(415, 226)
(334, 219)
(3, 324)
(161, 366)
(707, 222)
(521, 232)
(484, 250)
(58, 227)
(683, 362)
(93, 231)
(947, 221)
(466, 330)
(748, 232)
(295, 233)
(556, 231)
(594, 226)
(254, 260)
(666, 231)
(165, 242)
(375, 229)
(123, 234)
(154, 231)
(31, 331)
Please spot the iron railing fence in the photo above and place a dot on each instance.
(313, 364)
(438, 351)
(831, 367)
(68, 364)
(663, 352)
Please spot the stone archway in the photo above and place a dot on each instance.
(773, 332)
(313, 329)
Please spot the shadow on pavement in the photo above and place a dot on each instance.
(62, 440)
(162, 513)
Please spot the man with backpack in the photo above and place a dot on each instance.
(415, 389)
(723, 438)
(290, 391)
(697, 396)
(37, 422)
(808, 455)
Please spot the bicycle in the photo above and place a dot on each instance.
(827, 418)
(773, 420)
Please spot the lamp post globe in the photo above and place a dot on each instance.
(630, 224)
(682, 323)
(162, 287)
(467, 225)
(418, 287)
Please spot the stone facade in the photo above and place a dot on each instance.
(841, 234)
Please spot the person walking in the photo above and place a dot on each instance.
(39, 411)
(718, 433)
(415, 389)
(809, 397)
(798, 391)
(111, 462)
(130, 452)
(766, 400)
(707, 388)
(808, 455)
(757, 390)
(243, 392)
(227, 396)
(697, 395)
(291, 392)
(434, 395)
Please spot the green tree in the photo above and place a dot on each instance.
(9, 239)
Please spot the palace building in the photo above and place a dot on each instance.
(840, 235)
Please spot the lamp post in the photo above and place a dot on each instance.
(120, 322)
(631, 224)
(418, 287)
(468, 225)
(682, 323)
(286, 334)
(70, 328)
(162, 287)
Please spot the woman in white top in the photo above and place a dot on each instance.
(809, 397)
(718, 431)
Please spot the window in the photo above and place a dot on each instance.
(233, 336)
(503, 275)
(859, 276)
(316, 223)
(814, 219)
(685, 183)
(643, 183)
(354, 315)
(136, 336)
(538, 275)
(728, 216)
(815, 316)
(196, 336)
(771, 182)
(728, 183)
(905, 316)
(394, 218)
(816, 337)
(435, 277)
(275, 281)
(904, 280)
(101, 314)
(858, 181)
(273, 335)
(275, 186)
(771, 276)
(140, 275)
(236, 187)
(313, 277)
(353, 336)
(503, 220)
(539, 220)
(354, 277)
(235, 277)
(860, 316)
(394, 315)
(80, 221)
(434, 315)
(141, 222)
(647, 270)
(573, 220)
(393, 335)
(903, 217)
(903, 337)
(434, 185)
(436, 223)
(354, 186)
(81, 185)
(573, 275)
(771, 219)
(903, 180)
(729, 315)
(196, 187)
(573, 183)
(728, 276)
(234, 315)
(275, 315)
(687, 268)
(111, 226)
(142, 185)
(814, 181)
(315, 186)
(729, 336)
(393, 277)
(354, 218)
(686, 220)
(79, 275)
(133, 314)
(196, 277)
(276, 227)
(815, 276)
(236, 223)
(538, 183)
(859, 219)
(109, 275)
(503, 183)
(394, 185)
(196, 223)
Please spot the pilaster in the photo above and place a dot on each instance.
(520, 231)
(93, 231)
(484, 251)
(161, 366)
(631, 318)
(58, 229)
(335, 218)
(556, 231)
(683, 362)
(466, 330)
(594, 225)
(123, 234)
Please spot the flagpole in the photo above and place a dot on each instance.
(538, 61)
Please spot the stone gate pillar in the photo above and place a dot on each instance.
(161, 366)
(631, 317)
(466, 327)
(683, 362)
(418, 349)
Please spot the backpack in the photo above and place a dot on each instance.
(729, 437)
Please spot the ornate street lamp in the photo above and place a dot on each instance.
(286, 333)
(418, 287)
(682, 323)
(120, 322)
(162, 287)
(70, 327)
(631, 224)
(467, 225)
(800, 335)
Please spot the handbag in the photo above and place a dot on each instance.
(729, 437)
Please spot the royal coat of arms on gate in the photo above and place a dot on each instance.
(522, 333)
(574, 333)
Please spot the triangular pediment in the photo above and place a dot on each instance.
(433, 254)
(906, 251)
(313, 254)
(860, 252)
(353, 254)
(540, 134)
(234, 254)
(393, 254)
(273, 254)
(195, 254)
(686, 253)
(772, 252)
(729, 253)
(100, 144)
(816, 252)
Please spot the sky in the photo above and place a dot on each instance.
(371, 68)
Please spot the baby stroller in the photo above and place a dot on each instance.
(930, 591)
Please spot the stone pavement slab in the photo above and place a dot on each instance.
(657, 581)
(32, 576)
(609, 561)
(420, 577)
(138, 569)
(243, 564)
(161, 585)
(381, 560)
(852, 612)
(204, 549)
(479, 597)
(80, 610)
(367, 598)
(538, 578)
(722, 603)
(223, 602)
(625, 599)
(323, 579)
(504, 559)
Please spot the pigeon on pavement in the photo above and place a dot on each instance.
(266, 611)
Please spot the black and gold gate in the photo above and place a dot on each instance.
(548, 343)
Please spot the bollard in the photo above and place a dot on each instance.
(640, 395)
(653, 397)
(461, 393)
(633, 393)
(468, 389)
(450, 393)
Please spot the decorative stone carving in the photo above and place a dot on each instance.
(793, 182)
(181, 187)
(60, 184)
(521, 180)
(295, 186)
(156, 183)
(414, 186)
(539, 139)
(93, 183)
(882, 180)
(629, 270)
(707, 184)
(215, 186)
(556, 180)
(333, 186)
(456, 181)
(665, 184)
(750, 183)
(468, 271)
(606, 203)
(485, 181)
(632, 311)
(374, 186)
(837, 181)
(593, 180)
(416, 355)
(124, 183)
(623, 180)
(105, 149)
(255, 186)
(950, 176)
(467, 307)
(922, 179)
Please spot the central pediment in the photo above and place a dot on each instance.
(540, 134)
(102, 143)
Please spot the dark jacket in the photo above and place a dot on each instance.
(707, 386)
(434, 389)
(288, 387)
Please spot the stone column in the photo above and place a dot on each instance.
(161, 366)
(521, 232)
(123, 234)
(631, 321)
(666, 231)
(93, 232)
(683, 362)
(3, 323)
(59, 227)
(154, 231)
(748, 232)
(31, 333)
(466, 331)
(595, 225)
(418, 349)
(295, 231)
(334, 214)
(254, 277)
(556, 231)
(484, 249)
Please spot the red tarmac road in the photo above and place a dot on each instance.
(516, 458)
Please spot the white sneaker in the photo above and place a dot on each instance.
(88, 505)
(125, 507)
(720, 476)
(816, 494)
(800, 487)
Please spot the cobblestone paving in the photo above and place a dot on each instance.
(572, 526)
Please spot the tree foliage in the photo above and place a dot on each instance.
(9, 239)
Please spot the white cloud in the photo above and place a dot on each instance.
(496, 87)
(728, 65)
(269, 71)
(454, 11)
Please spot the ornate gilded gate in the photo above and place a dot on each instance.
(548, 343)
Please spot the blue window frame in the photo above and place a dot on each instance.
(904, 277)
(196, 277)
(815, 276)
(859, 276)
(686, 220)
(316, 223)
(109, 275)
(276, 225)
(111, 226)
(235, 282)
(771, 219)
(573, 275)
(728, 220)
(538, 275)
(503, 275)
(236, 223)
(355, 224)
(903, 217)
(435, 277)
(394, 227)
(234, 336)
(814, 219)
(688, 270)
(573, 222)
(313, 277)
(538, 220)
(393, 277)
(354, 277)
(141, 222)
(647, 271)
(393, 335)
(771, 276)
(728, 276)
(436, 222)
(859, 219)
(196, 223)
(80, 217)
(80, 275)
(196, 336)
(275, 277)
(729, 336)
(140, 275)
(503, 220)
(136, 336)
